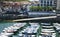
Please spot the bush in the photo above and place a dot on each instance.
(36, 8)
(39, 8)
(33, 8)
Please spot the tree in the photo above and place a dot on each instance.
(40, 8)
(50, 8)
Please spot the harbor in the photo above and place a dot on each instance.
(29, 30)
(29, 18)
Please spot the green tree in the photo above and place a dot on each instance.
(50, 8)
(45, 8)
(40, 8)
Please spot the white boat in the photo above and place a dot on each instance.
(45, 23)
(32, 35)
(53, 34)
(49, 34)
(57, 28)
(36, 24)
(9, 30)
(40, 36)
(14, 27)
(20, 34)
(7, 34)
(5, 28)
(45, 33)
(47, 26)
(4, 36)
(19, 24)
(47, 30)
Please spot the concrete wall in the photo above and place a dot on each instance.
(58, 4)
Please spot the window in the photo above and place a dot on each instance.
(50, 1)
(41, 1)
(50, 4)
(41, 4)
(45, 2)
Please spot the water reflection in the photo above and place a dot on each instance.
(5, 25)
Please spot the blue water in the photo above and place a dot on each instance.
(5, 25)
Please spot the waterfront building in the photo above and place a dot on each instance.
(48, 3)
(44, 3)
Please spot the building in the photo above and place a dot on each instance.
(58, 4)
(51, 3)
(48, 3)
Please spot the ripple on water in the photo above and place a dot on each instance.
(5, 25)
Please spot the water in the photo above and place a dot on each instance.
(4, 25)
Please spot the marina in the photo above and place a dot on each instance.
(29, 18)
(30, 30)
